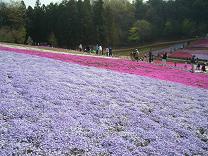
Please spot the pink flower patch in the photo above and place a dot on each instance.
(125, 66)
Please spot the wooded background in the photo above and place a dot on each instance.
(106, 22)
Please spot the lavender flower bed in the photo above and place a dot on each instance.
(48, 107)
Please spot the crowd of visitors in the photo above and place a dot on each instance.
(136, 55)
(98, 50)
(196, 64)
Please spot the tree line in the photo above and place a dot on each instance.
(107, 22)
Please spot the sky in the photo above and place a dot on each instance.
(32, 2)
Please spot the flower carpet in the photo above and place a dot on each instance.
(181, 54)
(59, 104)
(203, 43)
(124, 66)
(188, 53)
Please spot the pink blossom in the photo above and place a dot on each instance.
(125, 66)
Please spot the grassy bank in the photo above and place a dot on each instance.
(145, 48)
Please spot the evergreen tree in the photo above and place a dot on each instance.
(88, 27)
(12, 28)
(52, 40)
(99, 21)
(112, 35)
(107, 22)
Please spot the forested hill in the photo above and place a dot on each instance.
(106, 22)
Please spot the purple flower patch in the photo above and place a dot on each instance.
(49, 107)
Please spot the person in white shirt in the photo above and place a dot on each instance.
(100, 50)
(80, 47)
(107, 51)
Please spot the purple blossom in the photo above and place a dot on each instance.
(48, 107)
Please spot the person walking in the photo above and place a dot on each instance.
(136, 55)
(110, 51)
(107, 51)
(203, 68)
(164, 58)
(150, 57)
(197, 64)
(97, 49)
(100, 50)
(193, 61)
(80, 47)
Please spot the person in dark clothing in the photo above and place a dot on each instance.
(193, 61)
(203, 68)
(150, 57)
(88, 48)
(110, 51)
(164, 58)
(198, 64)
(136, 55)
(97, 49)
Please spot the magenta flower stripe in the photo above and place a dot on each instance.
(125, 66)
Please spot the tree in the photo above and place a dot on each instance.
(140, 32)
(52, 40)
(123, 16)
(29, 41)
(88, 23)
(3, 14)
(112, 34)
(134, 35)
(85, 22)
(98, 11)
(140, 9)
(187, 27)
(156, 16)
(168, 29)
(12, 22)
(107, 22)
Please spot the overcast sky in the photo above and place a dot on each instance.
(32, 2)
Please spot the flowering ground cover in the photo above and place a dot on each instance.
(203, 43)
(181, 54)
(188, 53)
(125, 66)
(49, 107)
(201, 54)
(176, 65)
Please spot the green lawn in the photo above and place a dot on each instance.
(122, 53)
(146, 48)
